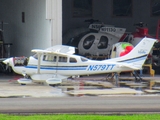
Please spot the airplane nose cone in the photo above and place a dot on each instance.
(6, 61)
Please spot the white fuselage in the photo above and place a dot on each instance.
(81, 66)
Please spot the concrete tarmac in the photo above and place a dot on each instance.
(41, 98)
(87, 85)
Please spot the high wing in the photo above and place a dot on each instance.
(62, 49)
(57, 49)
(40, 51)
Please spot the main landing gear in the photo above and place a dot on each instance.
(115, 77)
(137, 76)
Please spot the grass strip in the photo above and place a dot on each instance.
(80, 117)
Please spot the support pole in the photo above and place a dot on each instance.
(54, 14)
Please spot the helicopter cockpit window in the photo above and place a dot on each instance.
(103, 43)
(72, 60)
(84, 59)
(88, 41)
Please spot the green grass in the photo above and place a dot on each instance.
(80, 117)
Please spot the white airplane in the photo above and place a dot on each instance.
(55, 64)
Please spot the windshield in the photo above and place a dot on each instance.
(35, 56)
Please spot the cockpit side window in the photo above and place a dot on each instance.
(72, 60)
(35, 56)
(55, 59)
(62, 59)
(50, 58)
(44, 57)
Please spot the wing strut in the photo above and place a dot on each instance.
(57, 64)
(39, 62)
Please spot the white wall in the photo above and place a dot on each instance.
(34, 33)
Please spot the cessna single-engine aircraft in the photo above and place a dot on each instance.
(55, 64)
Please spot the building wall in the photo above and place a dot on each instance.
(34, 33)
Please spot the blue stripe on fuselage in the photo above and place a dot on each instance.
(59, 67)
